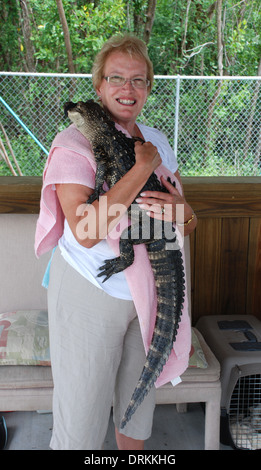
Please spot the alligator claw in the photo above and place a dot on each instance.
(110, 267)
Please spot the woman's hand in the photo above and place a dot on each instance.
(147, 156)
(161, 205)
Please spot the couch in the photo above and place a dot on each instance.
(26, 382)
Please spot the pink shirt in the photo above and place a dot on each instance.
(71, 161)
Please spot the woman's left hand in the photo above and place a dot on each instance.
(160, 205)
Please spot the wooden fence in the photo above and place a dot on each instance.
(225, 247)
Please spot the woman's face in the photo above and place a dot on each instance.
(123, 102)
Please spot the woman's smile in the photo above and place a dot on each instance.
(124, 102)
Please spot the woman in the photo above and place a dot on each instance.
(99, 331)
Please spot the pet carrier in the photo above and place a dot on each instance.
(236, 343)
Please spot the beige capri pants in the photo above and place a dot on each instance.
(97, 355)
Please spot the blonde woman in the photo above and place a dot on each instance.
(100, 332)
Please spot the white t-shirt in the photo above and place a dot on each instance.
(87, 261)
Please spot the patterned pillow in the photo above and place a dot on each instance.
(24, 338)
(197, 356)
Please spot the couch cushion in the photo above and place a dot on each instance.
(209, 374)
(24, 338)
(197, 357)
(21, 272)
(25, 377)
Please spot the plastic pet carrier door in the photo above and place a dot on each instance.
(243, 409)
(236, 343)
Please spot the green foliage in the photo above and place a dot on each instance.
(89, 27)
(91, 23)
(10, 50)
(241, 38)
(210, 145)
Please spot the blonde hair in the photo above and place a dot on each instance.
(127, 44)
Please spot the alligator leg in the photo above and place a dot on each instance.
(126, 258)
(100, 177)
(115, 265)
(132, 235)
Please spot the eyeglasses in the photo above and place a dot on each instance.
(117, 81)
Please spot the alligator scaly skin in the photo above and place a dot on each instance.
(114, 154)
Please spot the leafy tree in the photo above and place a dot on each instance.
(185, 37)
(89, 25)
(182, 36)
(10, 47)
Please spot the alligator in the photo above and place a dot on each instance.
(115, 155)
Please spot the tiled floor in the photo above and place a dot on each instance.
(171, 430)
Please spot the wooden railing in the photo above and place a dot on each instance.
(225, 247)
(20, 194)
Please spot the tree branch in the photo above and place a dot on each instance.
(66, 33)
(149, 20)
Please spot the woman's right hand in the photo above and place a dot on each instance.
(147, 156)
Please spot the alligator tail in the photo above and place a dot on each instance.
(147, 379)
(170, 294)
